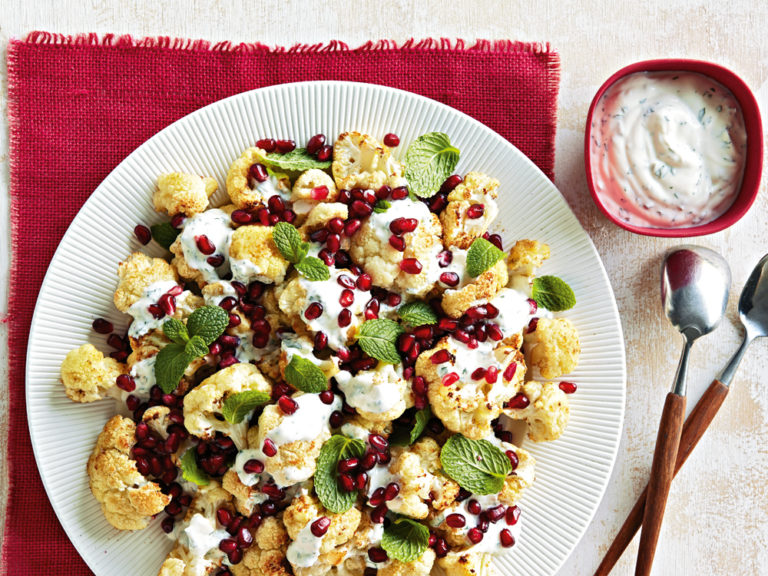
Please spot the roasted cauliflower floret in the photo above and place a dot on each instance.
(246, 497)
(361, 161)
(379, 395)
(415, 483)
(443, 491)
(372, 251)
(522, 476)
(553, 347)
(247, 192)
(312, 187)
(137, 274)
(526, 256)
(484, 287)
(204, 402)
(267, 555)
(321, 214)
(254, 256)
(128, 499)
(470, 210)
(422, 566)
(88, 375)
(466, 564)
(182, 193)
(547, 412)
(468, 405)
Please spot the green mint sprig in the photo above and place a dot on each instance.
(164, 234)
(481, 256)
(405, 539)
(237, 406)
(430, 159)
(303, 375)
(403, 436)
(382, 206)
(337, 448)
(417, 313)
(297, 160)
(553, 293)
(188, 342)
(289, 242)
(191, 472)
(378, 339)
(475, 465)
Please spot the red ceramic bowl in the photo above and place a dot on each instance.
(753, 166)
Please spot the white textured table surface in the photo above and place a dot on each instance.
(716, 518)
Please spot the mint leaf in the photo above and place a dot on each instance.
(378, 339)
(481, 256)
(381, 206)
(190, 470)
(553, 293)
(208, 322)
(313, 269)
(288, 241)
(417, 313)
(164, 234)
(237, 406)
(196, 347)
(402, 436)
(175, 330)
(430, 159)
(172, 361)
(303, 375)
(333, 497)
(297, 160)
(405, 539)
(476, 465)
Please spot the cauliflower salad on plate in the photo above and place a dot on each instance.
(333, 372)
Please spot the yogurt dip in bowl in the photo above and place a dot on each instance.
(673, 148)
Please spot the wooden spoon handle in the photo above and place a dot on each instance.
(693, 429)
(662, 472)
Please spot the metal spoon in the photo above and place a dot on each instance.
(694, 291)
(753, 312)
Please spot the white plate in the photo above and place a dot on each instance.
(571, 473)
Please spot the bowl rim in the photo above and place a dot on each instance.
(753, 164)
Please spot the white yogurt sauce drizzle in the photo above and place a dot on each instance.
(458, 266)
(405, 208)
(202, 539)
(361, 392)
(669, 149)
(143, 374)
(215, 224)
(305, 549)
(143, 321)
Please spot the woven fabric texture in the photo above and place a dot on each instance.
(79, 105)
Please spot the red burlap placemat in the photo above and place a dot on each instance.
(79, 105)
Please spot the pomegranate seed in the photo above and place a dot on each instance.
(345, 318)
(348, 464)
(320, 342)
(336, 225)
(174, 507)
(378, 515)
(509, 372)
(241, 217)
(244, 538)
(450, 279)
(475, 535)
(351, 227)
(167, 525)
(267, 144)
(370, 197)
(494, 332)
(347, 297)
(228, 303)
(377, 555)
(288, 216)
(506, 538)
(450, 378)
(399, 193)
(216, 260)
(326, 397)
(567, 387)
(478, 374)
(325, 153)
(444, 258)
(287, 404)
(143, 234)
(483, 524)
(400, 226)
(167, 303)
(456, 520)
(369, 461)
(512, 515)
(361, 480)
(269, 448)
(315, 143)
(364, 282)
(347, 482)
(385, 458)
(313, 311)
(360, 209)
(419, 386)
(275, 494)
(391, 491)
(378, 442)
(276, 204)
(383, 192)
(336, 419)
(450, 183)
(156, 311)
(342, 259)
(391, 140)
(345, 281)
(268, 509)
(178, 221)
(228, 545)
(263, 215)
(475, 211)
(254, 521)
(472, 344)
(326, 256)
(441, 548)
(285, 146)
(224, 516)
(254, 466)
(398, 244)
(442, 356)
(377, 498)
(447, 324)
(518, 401)
(405, 342)
(491, 375)
(104, 326)
(258, 172)
(132, 403)
(126, 382)
(204, 244)
(320, 526)
(410, 266)
(505, 436)
(496, 513)
(495, 239)
(474, 507)
(228, 361)
(372, 309)
(461, 336)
